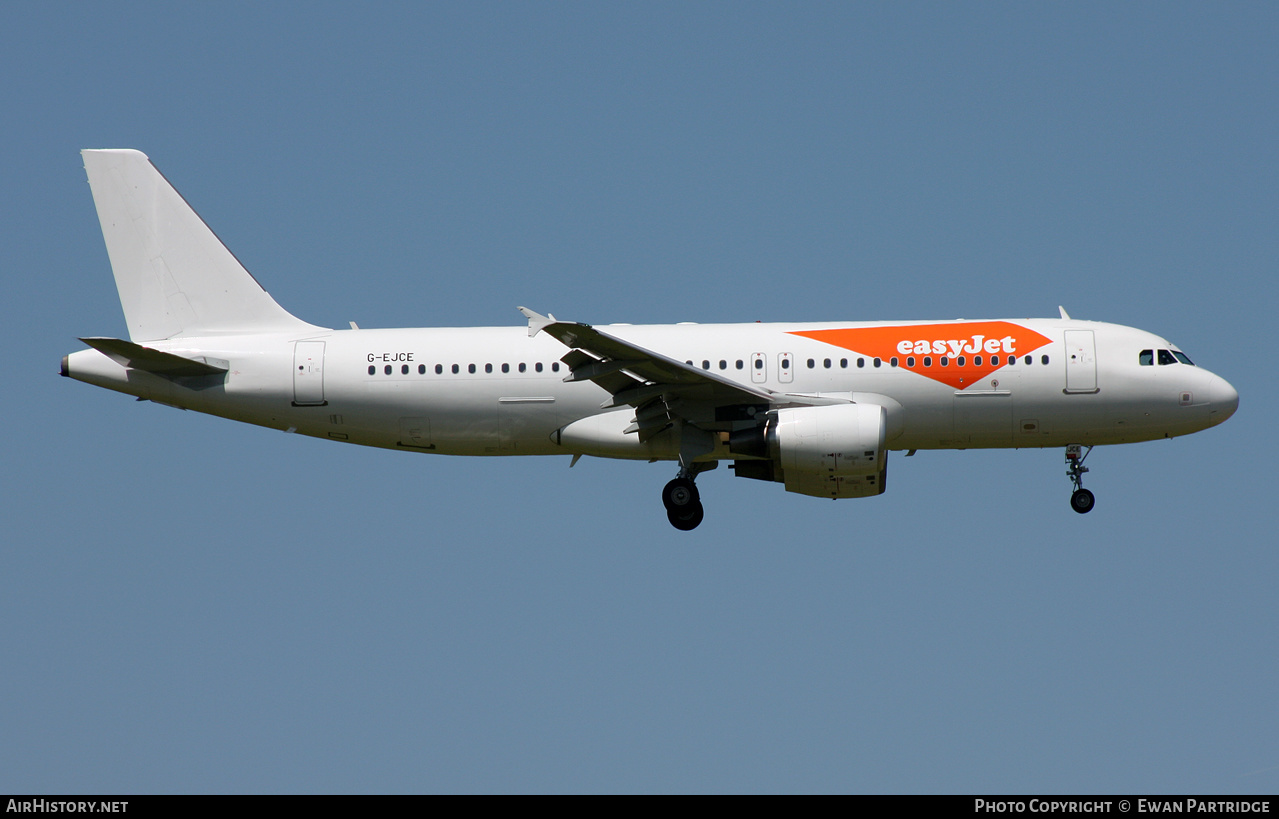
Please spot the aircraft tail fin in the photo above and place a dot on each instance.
(174, 276)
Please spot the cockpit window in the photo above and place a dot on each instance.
(1147, 358)
(1166, 357)
(1183, 358)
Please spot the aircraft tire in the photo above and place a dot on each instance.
(680, 493)
(688, 518)
(1081, 500)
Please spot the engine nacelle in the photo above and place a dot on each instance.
(833, 451)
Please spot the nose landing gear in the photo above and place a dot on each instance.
(682, 501)
(1081, 500)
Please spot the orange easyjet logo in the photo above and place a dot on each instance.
(959, 355)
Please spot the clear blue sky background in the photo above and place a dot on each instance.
(195, 605)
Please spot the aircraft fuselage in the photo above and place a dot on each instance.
(495, 391)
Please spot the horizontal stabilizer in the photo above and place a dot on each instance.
(166, 365)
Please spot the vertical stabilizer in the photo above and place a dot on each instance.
(174, 276)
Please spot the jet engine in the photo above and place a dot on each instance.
(835, 451)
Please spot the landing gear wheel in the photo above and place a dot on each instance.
(679, 495)
(682, 500)
(687, 518)
(1081, 500)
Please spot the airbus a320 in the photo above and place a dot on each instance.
(816, 406)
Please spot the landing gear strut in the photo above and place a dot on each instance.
(682, 501)
(1081, 500)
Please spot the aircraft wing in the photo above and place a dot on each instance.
(659, 387)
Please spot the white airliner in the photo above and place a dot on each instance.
(814, 406)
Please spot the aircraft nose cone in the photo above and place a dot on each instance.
(1223, 399)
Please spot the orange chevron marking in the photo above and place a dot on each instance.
(970, 341)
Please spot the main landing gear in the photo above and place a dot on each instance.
(682, 501)
(1081, 500)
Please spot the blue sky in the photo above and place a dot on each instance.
(192, 605)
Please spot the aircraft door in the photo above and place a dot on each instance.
(785, 368)
(308, 374)
(1081, 361)
(759, 368)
